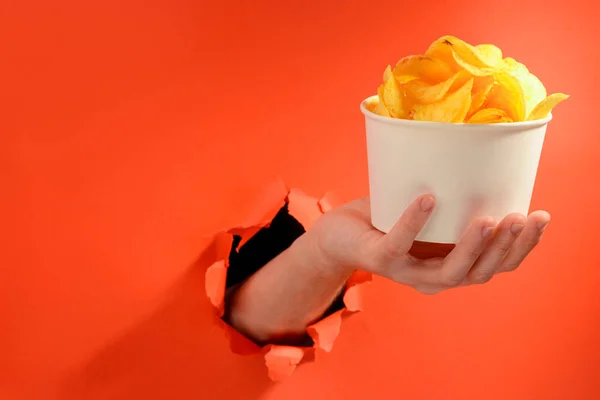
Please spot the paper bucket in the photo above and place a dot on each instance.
(471, 169)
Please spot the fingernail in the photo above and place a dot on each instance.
(516, 228)
(426, 203)
(542, 225)
(487, 231)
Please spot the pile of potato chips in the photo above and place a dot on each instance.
(457, 82)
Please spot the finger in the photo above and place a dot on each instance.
(489, 261)
(398, 241)
(467, 251)
(529, 238)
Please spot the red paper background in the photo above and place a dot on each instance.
(129, 130)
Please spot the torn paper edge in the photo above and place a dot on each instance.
(281, 361)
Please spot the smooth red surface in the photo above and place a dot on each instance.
(129, 130)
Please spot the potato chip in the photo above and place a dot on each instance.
(461, 78)
(481, 88)
(507, 95)
(543, 109)
(387, 74)
(513, 66)
(380, 108)
(453, 108)
(425, 68)
(371, 104)
(444, 47)
(402, 79)
(441, 50)
(489, 116)
(481, 60)
(533, 88)
(433, 86)
(472, 69)
(393, 98)
(489, 54)
(423, 93)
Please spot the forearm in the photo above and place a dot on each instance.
(292, 291)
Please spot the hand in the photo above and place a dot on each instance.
(346, 239)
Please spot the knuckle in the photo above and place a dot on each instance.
(481, 278)
(366, 255)
(504, 246)
(371, 265)
(511, 266)
(533, 241)
(451, 281)
(392, 250)
(536, 240)
(473, 253)
(412, 226)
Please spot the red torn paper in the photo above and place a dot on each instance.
(324, 332)
(281, 361)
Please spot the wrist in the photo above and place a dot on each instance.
(308, 249)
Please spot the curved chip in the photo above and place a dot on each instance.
(489, 54)
(489, 116)
(462, 77)
(425, 68)
(371, 104)
(533, 88)
(507, 95)
(380, 107)
(432, 87)
(444, 47)
(393, 99)
(441, 49)
(482, 86)
(544, 108)
(402, 79)
(453, 108)
(481, 60)
(387, 74)
(472, 69)
(424, 93)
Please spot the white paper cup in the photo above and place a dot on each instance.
(471, 169)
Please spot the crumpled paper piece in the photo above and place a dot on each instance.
(281, 361)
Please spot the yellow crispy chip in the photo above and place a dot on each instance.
(533, 88)
(489, 116)
(380, 108)
(513, 66)
(424, 93)
(481, 60)
(425, 68)
(543, 109)
(534, 91)
(481, 88)
(445, 47)
(433, 86)
(507, 94)
(472, 69)
(462, 77)
(453, 108)
(402, 79)
(387, 74)
(393, 99)
(371, 104)
(489, 54)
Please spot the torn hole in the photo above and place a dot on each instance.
(277, 220)
(264, 246)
